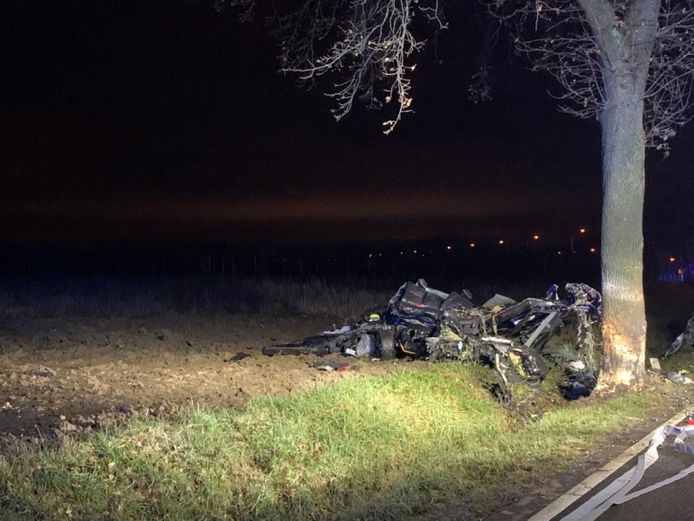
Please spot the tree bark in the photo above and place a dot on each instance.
(624, 319)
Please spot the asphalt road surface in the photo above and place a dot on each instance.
(673, 502)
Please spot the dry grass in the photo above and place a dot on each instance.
(141, 297)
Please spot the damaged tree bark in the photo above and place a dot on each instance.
(624, 321)
(626, 42)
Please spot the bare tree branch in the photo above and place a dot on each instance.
(366, 46)
(571, 41)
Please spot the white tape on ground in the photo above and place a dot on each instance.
(655, 486)
(565, 501)
(618, 491)
(682, 434)
(600, 502)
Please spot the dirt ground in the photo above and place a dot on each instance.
(68, 375)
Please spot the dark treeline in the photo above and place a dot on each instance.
(437, 260)
(444, 263)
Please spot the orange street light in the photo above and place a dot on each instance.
(472, 245)
(593, 250)
(536, 237)
(501, 242)
(672, 259)
(582, 231)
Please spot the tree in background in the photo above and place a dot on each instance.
(628, 63)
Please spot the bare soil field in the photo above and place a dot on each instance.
(59, 374)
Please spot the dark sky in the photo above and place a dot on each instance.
(167, 121)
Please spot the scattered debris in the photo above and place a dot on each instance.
(684, 340)
(66, 426)
(237, 357)
(655, 364)
(511, 337)
(163, 335)
(41, 372)
(678, 377)
(579, 383)
(330, 365)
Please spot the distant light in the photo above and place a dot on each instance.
(593, 250)
(582, 230)
(672, 259)
(449, 247)
(501, 242)
(380, 255)
(402, 253)
(536, 237)
(559, 252)
(415, 251)
(472, 245)
(371, 255)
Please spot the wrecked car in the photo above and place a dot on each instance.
(684, 341)
(511, 337)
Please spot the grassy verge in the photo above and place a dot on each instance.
(154, 296)
(378, 448)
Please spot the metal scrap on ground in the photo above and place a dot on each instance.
(511, 337)
(684, 341)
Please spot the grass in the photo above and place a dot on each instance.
(388, 447)
(134, 297)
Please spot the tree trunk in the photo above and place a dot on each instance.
(624, 320)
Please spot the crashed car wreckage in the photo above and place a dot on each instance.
(511, 337)
(684, 341)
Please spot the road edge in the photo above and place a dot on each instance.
(574, 494)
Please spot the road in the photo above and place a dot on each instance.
(673, 502)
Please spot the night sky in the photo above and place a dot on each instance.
(165, 121)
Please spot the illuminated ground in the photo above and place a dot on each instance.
(58, 374)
